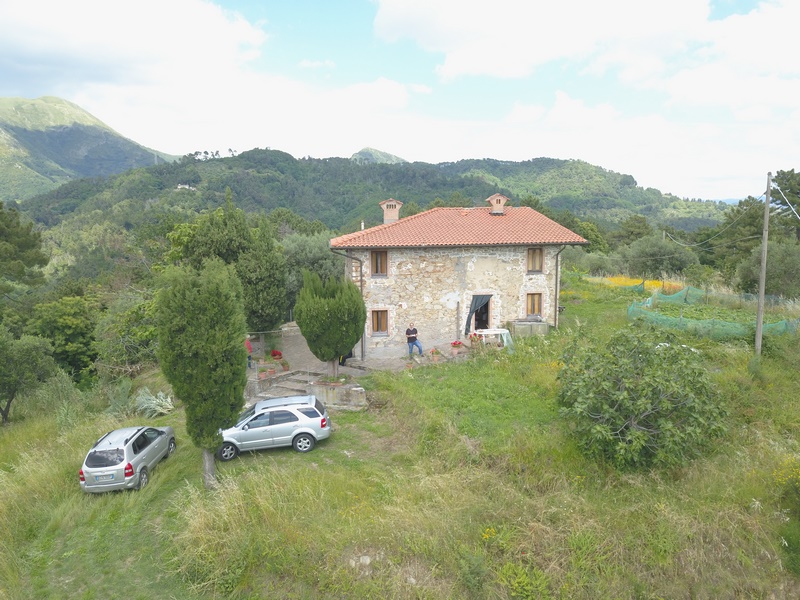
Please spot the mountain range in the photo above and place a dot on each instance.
(56, 159)
(48, 141)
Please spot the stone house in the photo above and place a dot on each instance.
(454, 270)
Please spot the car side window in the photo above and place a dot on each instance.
(140, 443)
(151, 435)
(283, 416)
(309, 412)
(261, 420)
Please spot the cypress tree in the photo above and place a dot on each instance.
(201, 328)
(331, 316)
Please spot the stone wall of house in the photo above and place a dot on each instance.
(433, 288)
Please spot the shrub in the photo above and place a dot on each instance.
(153, 406)
(640, 399)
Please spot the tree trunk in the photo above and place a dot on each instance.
(209, 469)
(4, 411)
(333, 367)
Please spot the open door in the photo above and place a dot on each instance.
(479, 308)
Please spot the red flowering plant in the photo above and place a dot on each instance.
(276, 355)
(457, 344)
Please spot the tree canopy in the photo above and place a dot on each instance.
(201, 329)
(331, 316)
(20, 251)
(27, 362)
(639, 399)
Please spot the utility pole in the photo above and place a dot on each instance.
(762, 277)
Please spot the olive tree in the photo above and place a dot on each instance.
(331, 316)
(640, 398)
(201, 327)
(27, 363)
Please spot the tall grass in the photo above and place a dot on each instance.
(462, 483)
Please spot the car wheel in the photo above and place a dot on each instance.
(227, 452)
(144, 478)
(303, 442)
(172, 447)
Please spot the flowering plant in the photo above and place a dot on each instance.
(276, 355)
(457, 344)
(435, 351)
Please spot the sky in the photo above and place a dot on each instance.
(698, 98)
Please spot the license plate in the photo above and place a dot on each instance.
(104, 477)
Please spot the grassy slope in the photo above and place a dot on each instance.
(459, 482)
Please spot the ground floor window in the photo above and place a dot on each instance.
(380, 322)
(534, 305)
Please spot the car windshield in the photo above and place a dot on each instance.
(108, 457)
(245, 415)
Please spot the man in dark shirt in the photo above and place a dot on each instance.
(411, 338)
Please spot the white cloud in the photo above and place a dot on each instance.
(316, 64)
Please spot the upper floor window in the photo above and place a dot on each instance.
(378, 261)
(535, 260)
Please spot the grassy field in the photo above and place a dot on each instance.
(460, 481)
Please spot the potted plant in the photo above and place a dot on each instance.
(455, 346)
(276, 355)
(435, 354)
(284, 364)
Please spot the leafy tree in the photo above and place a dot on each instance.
(410, 208)
(727, 245)
(786, 194)
(126, 335)
(700, 276)
(783, 270)
(27, 362)
(639, 399)
(633, 228)
(651, 256)
(69, 324)
(331, 316)
(223, 233)
(262, 271)
(310, 253)
(287, 223)
(20, 252)
(201, 326)
(591, 233)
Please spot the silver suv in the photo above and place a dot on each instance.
(298, 421)
(122, 459)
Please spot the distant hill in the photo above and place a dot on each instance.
(58, 160)
(370, 156)
(341, 192)
(48, 141)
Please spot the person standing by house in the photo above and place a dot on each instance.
(249, 347)
(411, 338)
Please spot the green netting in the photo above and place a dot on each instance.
(688, 295)
(693, 295)
(714, 329)
(639, 287)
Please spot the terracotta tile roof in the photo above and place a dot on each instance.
(449, 227)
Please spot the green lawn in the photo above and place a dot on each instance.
(460, 481)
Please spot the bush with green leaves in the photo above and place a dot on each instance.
(640, 399)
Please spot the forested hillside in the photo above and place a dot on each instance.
(342, 192)
(49, 141)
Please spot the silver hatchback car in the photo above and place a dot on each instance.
(298, 421)
(122, 459)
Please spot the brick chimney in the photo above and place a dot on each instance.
(497, 202)
(391, 210)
